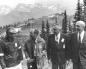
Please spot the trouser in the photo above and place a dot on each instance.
(83, 65)
(19, 66)
(60, 66)
(77, 66)
(54, 66)
(57, 66)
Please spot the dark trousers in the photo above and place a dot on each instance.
(77, 66)
(83, 65)
(56, 65)
(61, 67)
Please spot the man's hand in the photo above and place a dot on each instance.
(68, 61)
(3, 66)
(49, 60)
(30, 60)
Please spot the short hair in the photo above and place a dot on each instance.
(32, 31)
(36, 31)
(8, 30)
(82, 23)
(57, 27)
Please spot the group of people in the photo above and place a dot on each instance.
(12, 53)
(61, 48)
(35, 48)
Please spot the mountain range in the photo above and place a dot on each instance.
(24, 11)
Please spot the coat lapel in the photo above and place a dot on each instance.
(60, 37)
(75, 39)
(84, 38)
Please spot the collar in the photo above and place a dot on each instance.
(57, 37)
(82, 35)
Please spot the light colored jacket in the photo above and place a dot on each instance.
(39, 46)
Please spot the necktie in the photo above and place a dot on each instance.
(79, 38)
(56, 38)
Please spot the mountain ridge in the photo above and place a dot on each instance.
(24, 11)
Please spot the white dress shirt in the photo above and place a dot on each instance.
(81, 35)
(57, 38)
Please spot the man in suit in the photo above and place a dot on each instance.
(78, 46)
(56, 48)
(30, 48)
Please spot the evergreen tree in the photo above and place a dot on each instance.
(84, 11)
(47, 31)
(55, 19)
(43, 30)
(70, 28)
(64, 23)
(78, 13)
(47, 28)
(84, 2)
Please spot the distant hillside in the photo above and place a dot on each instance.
(22, 12)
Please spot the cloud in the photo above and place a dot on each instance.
(54, 8)
(13, 3)
(69, 5)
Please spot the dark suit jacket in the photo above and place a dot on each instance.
(78, 50)
(29, 47)
(68, 46)
(74, 47)
(56, 51)
(82, 50)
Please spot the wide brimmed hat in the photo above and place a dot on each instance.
(13, 30)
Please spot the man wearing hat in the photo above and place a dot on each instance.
(78, 46)
(10, 49)
(56, 48)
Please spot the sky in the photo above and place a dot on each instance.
(70, 5)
